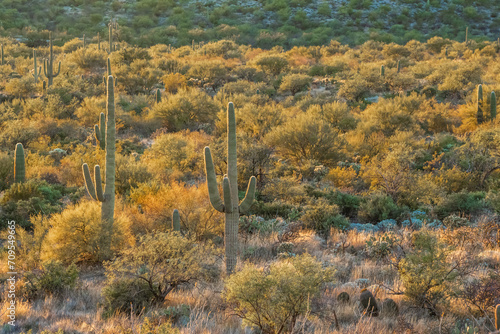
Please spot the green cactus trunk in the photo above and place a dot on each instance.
(1, 55)
(497, 317)
(98, 42)
(110, 25)
(466, 35)
(493, 106)
(399, 66)
(36, 70)
(84, 41)
(107, 198)
(19, 164)
(176, 221)
(158, 96)
(231, 206)
(48, 65)
(382, 70)
(479, 114)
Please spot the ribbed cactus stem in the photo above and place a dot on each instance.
(36, 70)
(84, 41)
(48, 64)
(399, 66)
(110, 27)
(109, 67)
(230, 206)
(19, 164)
(466, 35)
(382, 70)
(493, 106)
(1, 54)
(98, 42)
(479, 114)
(158, 96)
(176, 221)
(497, 317)
(107, 198)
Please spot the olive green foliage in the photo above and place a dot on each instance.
(378, 207)
(272, 300)
(428, 272)
(163, 261)
(189, 109)
(295, 83)
(54, 278)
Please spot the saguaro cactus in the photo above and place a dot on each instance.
(19, 165)
(1, 55)
(466, 35)
(382, 70)
(479, 114)
(493, 106)
(98, 41)
(176, 221)
(158, 96)
(36, 70)
(84, 45)
(107, 198)
(231, 206)
(48, 64)
(497, 317)
(399, 66)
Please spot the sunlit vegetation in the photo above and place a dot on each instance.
(376, 167)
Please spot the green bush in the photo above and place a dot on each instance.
(378, 207)
(282, 293)
(54, 278)
(462, 202)
(126, 295)
(322, 216)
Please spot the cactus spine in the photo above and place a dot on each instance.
(230, 206)
(176, 221)
(382, 70)
(36, 70)
(48, 65)
(19, 165)
(107, 198)
(158, 96)
(493, 106)
(479, 114)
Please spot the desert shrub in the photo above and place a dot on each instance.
(462, 202)
(272, 64)
(282, 292)
(188, 109)
(163, 261)
(428, 272)
(149, 327)
(378, 207)
(76, 234)
(482, 293)
(295, 83)
(322, 217)
(126, 295)
(347, 203)
(173, 82)
(54, 278)
(379, 248)
(28, 252)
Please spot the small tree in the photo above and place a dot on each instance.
(295, 83)
(163, 261)
(273, 300)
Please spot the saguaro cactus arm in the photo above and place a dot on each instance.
(100, 131)
(213, 191)
(226, 186)
(247, 202)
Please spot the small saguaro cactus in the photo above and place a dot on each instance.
(231, 206)
(1, 55)
(84, 41)
(176, 221)
(110, 27)
(493, 106)
(19, 165)
(382, 70)
(48, 64)
(399, 66)
(158, 96)
(98, 42)
(479, 114)
(107, 198)
(37, 70)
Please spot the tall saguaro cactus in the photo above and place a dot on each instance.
(107, 198)
(19, 165)
(36, 70)
(479, 114)
(48, 64)
(231, 206)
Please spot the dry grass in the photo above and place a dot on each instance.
(79, 311)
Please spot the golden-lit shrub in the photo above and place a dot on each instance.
(173, 82)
